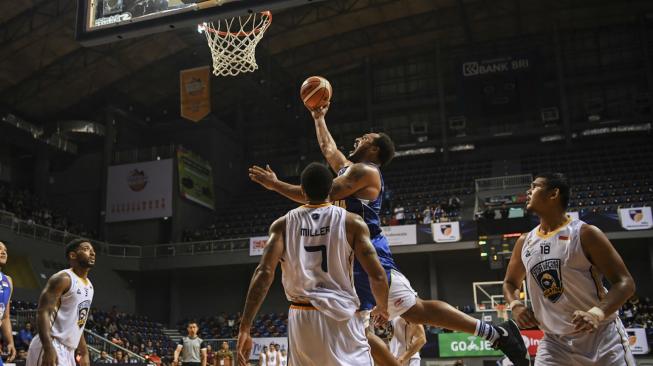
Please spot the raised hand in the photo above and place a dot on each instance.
(265, 177)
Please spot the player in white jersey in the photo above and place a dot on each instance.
(283, 358)
(316, 244)
(62, 312)
(407, 340)
(563, 261)
(272, 355)
(263, 357)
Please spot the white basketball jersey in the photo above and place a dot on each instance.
(283, 360)
(399, 343)
(560, 278)
(317, 263)
(264, 359)
(272, 358)
(69, 318)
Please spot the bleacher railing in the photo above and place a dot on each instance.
(505, 182)
(32, 230)
(99, 344)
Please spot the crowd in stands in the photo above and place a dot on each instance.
(226, 325)
(133, 332)
(443, 211)
(29, 207)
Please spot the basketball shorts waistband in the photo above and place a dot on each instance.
(302, 306)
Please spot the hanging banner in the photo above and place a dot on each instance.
(195, 89)
(636, 218)
(258, 343)
(139, 191)
(446, 232)
(195, 178)
(256, 245)
(400, 234)
(637, 341)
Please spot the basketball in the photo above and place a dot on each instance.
(315, 92)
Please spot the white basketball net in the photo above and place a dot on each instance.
(233, 42)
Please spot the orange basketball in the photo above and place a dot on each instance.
(315, 92)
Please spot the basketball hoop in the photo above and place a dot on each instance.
(233, 42)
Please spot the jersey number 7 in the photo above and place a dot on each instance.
(320, 248)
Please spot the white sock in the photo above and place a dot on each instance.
(486, 331)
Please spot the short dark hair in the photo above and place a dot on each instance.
(74, 244)
(192, 322)
(557, 180)
(386, 148)
(316, 181)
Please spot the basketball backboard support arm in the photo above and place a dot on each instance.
(116, 25)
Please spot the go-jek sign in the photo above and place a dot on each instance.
(464, 345)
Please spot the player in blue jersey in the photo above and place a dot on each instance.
(359, 186)
(6, 289)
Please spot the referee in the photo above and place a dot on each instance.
(192, 348)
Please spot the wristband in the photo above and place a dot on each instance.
(514, 303)
(597, 312)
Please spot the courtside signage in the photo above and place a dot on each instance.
(464, 345)
(400, 234)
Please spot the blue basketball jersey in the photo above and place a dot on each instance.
(369, 210)
(5, 295)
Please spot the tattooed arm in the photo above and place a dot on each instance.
(56, 286)
(360, 180)
(359, 238)
(259, 286)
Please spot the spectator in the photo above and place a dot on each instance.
(103, 358)
(399, 215)
(503, 211)
(149, 348)
(426, 215)
(25, 336)
(22, 355)
(210, 355)
(119, 357)
(153, 357)
(223, 355)
(437, 213)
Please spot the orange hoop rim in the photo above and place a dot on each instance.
(266, 13)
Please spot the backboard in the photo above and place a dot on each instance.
(104, 21)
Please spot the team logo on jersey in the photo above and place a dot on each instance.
(548, 276)
(82, 312)
(636, 214)
(315, 216)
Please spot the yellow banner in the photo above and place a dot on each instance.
(195, 88)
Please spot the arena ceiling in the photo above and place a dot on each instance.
(45, 75)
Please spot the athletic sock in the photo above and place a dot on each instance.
(486, 331)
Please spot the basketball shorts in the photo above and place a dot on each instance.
(607, 346)
(401, 297)
(315, 339)
(65, 355)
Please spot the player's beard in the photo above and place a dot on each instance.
(86, 263)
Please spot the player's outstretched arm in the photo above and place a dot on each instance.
(515, 275)
(56, 286)
(259, 286)
(334, 157)
(358, 178)
(268, 179)
(366, 254)
(604, 257)
(416, 337)
(7, 332)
